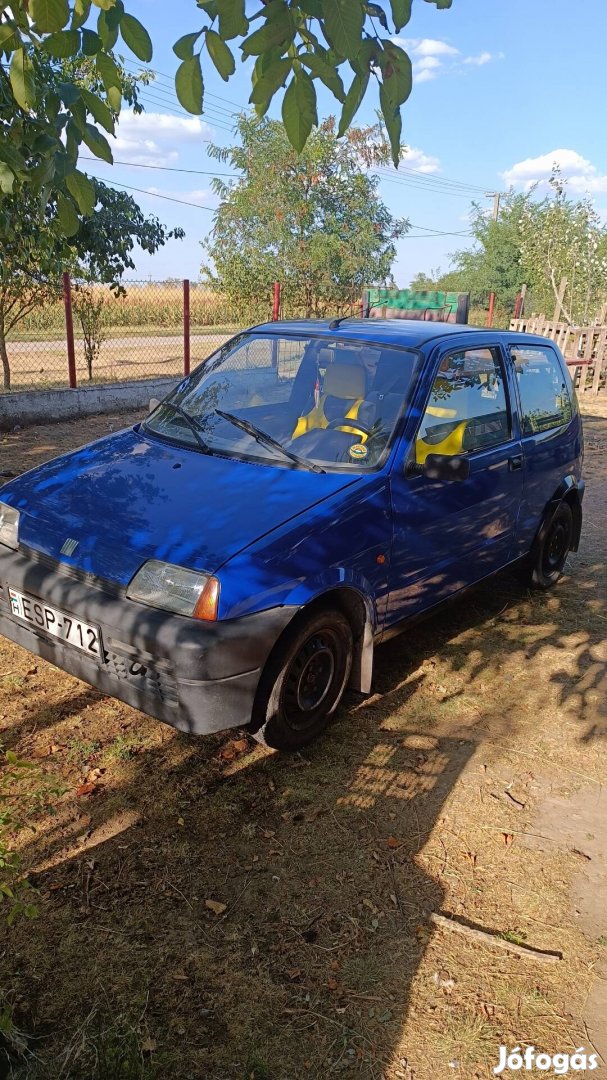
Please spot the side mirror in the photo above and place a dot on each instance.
(446, 467)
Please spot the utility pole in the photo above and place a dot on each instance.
(496, 196)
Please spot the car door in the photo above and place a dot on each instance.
(551, 431)
(449, 534)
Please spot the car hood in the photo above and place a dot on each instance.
(129, 497)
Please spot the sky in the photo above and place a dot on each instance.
(502, 90)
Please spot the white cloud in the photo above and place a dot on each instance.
(582, 176)
(432, 57)
(413, 158)
(480, 60)
(154, 138)
(427, 47)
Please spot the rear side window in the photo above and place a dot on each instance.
(467, 410)
(545, 397)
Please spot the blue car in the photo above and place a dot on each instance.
(307, 492)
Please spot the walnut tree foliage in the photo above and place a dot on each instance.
(296, 44)
(312, 220)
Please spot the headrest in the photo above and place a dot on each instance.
(345, 381)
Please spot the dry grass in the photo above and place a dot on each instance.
(323, 960)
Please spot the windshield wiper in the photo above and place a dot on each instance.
(193, 424)
(267, 440)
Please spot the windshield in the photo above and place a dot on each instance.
(319, 403)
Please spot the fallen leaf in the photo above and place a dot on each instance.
(392, 842)
(180, 821)
(148, 1046)
(86, 789)
(216, 906)
(240, 745)
(508, 838)
(470, 856)
(180, 976)
(294, 973)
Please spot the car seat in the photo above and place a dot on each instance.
(340, 398)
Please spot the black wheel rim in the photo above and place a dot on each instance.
(556, 547)
(309, 680)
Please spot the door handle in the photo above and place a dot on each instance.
(515, 463)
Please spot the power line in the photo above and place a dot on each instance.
(163, 168)
(153, 194)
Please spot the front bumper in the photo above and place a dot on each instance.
(199, 677)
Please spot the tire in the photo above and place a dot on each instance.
(304, 682)
(550, 553)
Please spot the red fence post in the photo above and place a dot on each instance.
(186, 326)
(276, 307)
(69, 331)
(491, 307)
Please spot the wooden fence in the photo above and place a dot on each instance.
(584, 349)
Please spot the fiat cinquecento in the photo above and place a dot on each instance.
(311, 489)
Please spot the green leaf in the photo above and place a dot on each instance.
(278, 29)
(393, 122)
(68, 92)
(98, 109)
(232, 19)
(220, 54)
(184, 48)
(299, 110)
(62, 44)
(107, 33)
(104, 4)
(397, 73)
(401, 12)
(9, 37)
(312, 7)
(68, 218)
(189, 85)
(7, 178)
(108, 70)
(22, 78)
(91, 42)
(344, 20)
(49, 15)
(82, 190)
(97, 143)
(268, 83)
(376, 12)
(81, 13)
(353, 99)
(442, 5)
(326, 72)
(136, 37)
(114, 96)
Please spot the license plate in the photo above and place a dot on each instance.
(53, 621)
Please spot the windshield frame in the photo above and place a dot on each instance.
(348, 469)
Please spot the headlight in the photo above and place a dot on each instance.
(173, 588)
(9, 526)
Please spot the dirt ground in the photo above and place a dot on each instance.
(209, 909)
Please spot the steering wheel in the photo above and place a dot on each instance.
(343, 422)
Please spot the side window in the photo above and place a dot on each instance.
(467, 409)
(545, 398)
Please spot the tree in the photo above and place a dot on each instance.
(495, 263)
(293, 42)
(312, 220)
(33, 258)
(537, 242)
(564, 239)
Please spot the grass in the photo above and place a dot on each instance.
(322, 960)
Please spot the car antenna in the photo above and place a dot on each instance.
(335, 323)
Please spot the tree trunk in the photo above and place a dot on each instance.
(6, 368)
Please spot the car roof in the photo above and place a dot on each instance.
(412, 333)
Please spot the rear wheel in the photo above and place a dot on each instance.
(550, 553)
(304, 682)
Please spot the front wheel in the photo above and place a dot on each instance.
(550, 554)
(304, 682)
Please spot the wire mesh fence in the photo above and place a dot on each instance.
(135, 335)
